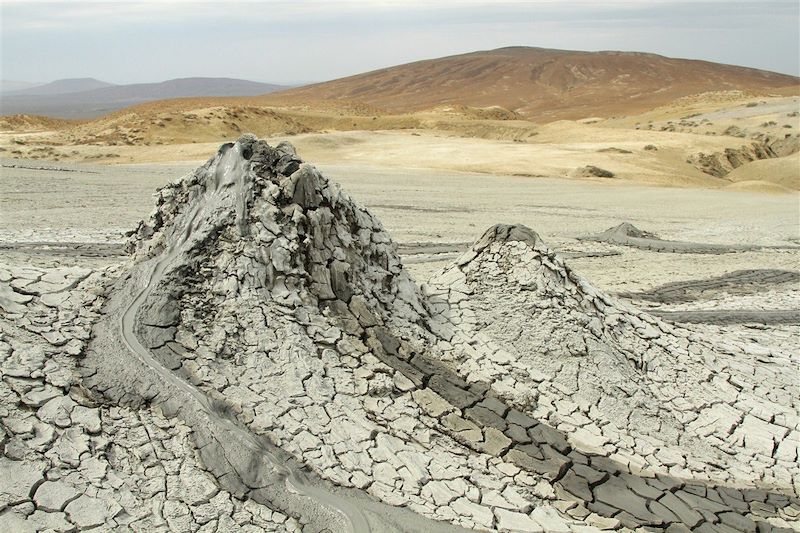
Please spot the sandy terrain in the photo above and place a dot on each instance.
(685, 143)
(558, 150)
(783, 172)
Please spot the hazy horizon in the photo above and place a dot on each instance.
(303, 42)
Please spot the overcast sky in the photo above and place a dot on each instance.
(300, 41)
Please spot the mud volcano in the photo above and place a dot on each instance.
(268, 317)
(626, 234)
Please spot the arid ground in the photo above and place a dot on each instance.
(461, 316)
(437, 179)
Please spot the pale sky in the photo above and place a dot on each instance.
(300, 41)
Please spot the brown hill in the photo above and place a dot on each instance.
(25, 123)
(542, 84)
(74, 103)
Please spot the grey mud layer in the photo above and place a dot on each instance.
(730, 316)
(257, 233)
(604, 486)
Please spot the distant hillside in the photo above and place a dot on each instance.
(15, 85)
(67, 86)
(108, 98)
(541, 83)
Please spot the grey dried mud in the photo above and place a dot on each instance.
(739, 282)
(256, 261)
(626, 234)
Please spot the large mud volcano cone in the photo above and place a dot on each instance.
(247, 292)
(255, 222)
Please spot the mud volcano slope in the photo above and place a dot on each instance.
(271, 314)
(626, 234)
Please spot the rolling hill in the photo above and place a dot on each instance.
(15, 85)
(543, 84)
(671, 115)
(65, 86)
(56, 100)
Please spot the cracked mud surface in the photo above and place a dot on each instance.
(264, 362)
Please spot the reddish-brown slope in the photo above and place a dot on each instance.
(541, 83)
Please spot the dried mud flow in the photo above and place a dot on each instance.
(742, 282)
(67, 249)
(735, 284)
(626, 234)
(264, 362)
(731, 316)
